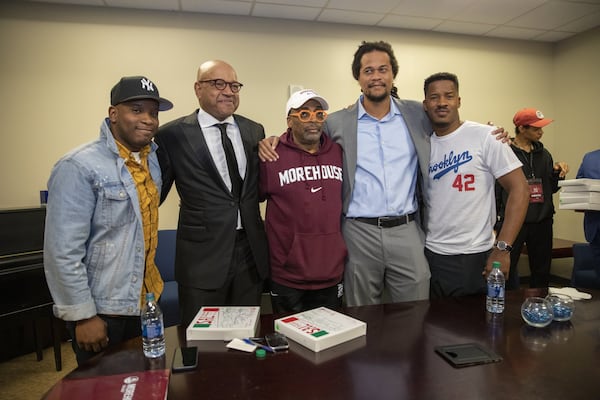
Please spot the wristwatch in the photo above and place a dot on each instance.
(502, 246)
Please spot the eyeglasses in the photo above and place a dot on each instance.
(307, 115)
(221, 84)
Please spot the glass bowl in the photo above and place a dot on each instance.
(563, 306)
(537, 312)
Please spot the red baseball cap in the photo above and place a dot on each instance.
(531, 117)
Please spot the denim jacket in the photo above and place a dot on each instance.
(94, 253)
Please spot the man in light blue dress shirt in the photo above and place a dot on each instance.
(386, 154)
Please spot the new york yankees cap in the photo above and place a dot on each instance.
(135, 88)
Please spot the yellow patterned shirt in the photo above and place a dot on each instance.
(149, 201)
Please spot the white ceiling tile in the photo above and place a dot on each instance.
(586, 1)
(217, 6)
(350, 17)
(466, 28)
(582, 24)
(495, 11)
(78, 2)
(514, 33)
(555, 19)
(305, 3)
(406, 22)
(553, 14)
(553, 36)
(145, 4)
(432, 8)
(285, 12)
(373, 6)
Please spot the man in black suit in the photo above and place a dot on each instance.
(211, 155)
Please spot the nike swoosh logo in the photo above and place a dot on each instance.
(315, 190)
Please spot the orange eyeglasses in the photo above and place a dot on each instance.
(307, 115)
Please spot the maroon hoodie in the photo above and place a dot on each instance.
(304, 209)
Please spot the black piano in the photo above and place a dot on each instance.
(26, 306)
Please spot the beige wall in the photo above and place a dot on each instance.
(59, 63)
(575, 87)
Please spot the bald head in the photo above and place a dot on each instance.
(220, 103)
(207, 66)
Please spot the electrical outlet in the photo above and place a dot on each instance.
(295, 88)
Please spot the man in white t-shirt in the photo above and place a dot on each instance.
(465, 162)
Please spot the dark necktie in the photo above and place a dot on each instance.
(232, 165)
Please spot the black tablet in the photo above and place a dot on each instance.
(467, 354)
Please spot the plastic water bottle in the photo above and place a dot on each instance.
(495, 290)
(153, 333)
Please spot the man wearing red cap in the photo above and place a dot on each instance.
(542, 175)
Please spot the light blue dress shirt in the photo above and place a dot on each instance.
(386, 170)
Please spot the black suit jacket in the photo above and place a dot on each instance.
(207, 212)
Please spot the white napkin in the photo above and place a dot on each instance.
(239, 344)
(572, 292)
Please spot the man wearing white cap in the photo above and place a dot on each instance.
(386, 147)
(542, 175)
(303, 189)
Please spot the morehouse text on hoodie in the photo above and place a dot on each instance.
(303, 219)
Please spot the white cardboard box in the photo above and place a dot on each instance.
(223, 323)
(320, 328)
(579, 197)
(579, 206)
(580, 185)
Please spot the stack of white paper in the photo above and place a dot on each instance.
(223, 323)
(320, 328)
(579, 194)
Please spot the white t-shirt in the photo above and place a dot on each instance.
(460, 188)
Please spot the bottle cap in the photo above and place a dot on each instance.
(260, 354)
(150, 296)
(496, 264)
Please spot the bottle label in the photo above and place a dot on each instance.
(152, 329)
(495, 291)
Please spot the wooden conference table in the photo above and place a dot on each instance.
(396, 359)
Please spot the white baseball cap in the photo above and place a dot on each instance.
(297, 99)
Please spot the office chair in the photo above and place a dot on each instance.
(585, 274)
(165, 261)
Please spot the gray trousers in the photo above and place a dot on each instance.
(389, 260)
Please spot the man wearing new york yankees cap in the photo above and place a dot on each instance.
(102, 221)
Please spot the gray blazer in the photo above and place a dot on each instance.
(342, 127)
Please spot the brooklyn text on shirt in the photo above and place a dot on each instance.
(449, 163)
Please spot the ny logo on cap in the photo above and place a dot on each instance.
(147, 84)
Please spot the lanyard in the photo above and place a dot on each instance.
(531, 164)
(528, 160)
